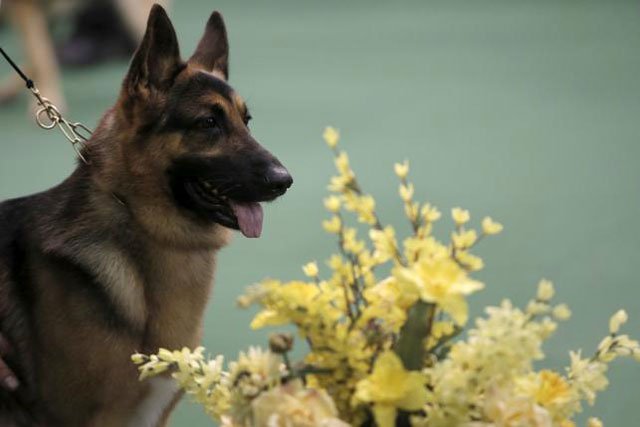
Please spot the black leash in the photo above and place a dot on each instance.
(27, 80)
(75, 132)
(48, 115)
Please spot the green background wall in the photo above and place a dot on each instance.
(528, 111)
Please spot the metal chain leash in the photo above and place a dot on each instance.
(48, 116)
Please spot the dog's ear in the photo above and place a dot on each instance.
(157, 60)
(212, 53)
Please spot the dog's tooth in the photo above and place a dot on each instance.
(207, 185)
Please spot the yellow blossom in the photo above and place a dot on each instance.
(402, 169)
(366, 209)
(443, 282)
(489, 226)
(552, 389)
(384, 242)
(469, 261)
(617, 320)
(504, 409)
(412, 210)
(331, 136)
(594, 422)
(332, 225)
(340, 183)
(464, 239)
(332, 203)
(406, 192)
(293, 405)
(342, 164)
(350, 243)
(430, 213)
(545, 290)
(391, 387)
(460, 216)
(310, 269)
(561, 312)
(138, 358)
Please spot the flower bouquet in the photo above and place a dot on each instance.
(387, 336)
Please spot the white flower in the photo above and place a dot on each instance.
(545, 290)
(617, 320)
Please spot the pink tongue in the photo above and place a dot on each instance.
(249, 217)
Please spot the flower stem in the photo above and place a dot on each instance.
(410, 345)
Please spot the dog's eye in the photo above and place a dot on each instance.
(247, 119)
(208, 123)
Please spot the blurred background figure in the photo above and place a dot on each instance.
(100, 30)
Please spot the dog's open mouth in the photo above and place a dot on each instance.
(245, 216)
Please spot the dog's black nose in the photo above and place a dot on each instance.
(278, 179)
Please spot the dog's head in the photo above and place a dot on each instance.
(186, 152)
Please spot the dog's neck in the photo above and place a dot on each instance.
(152, 281)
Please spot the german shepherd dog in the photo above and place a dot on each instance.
(120, 257)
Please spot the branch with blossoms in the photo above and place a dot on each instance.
(383, 332)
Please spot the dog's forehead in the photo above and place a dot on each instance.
(203, 85)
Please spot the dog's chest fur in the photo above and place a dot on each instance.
(157, 296)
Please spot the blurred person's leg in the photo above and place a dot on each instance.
(28, 18)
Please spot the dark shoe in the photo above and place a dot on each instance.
(98, 36)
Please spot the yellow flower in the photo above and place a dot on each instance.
(342, 164)
(350, 242)
(552, 389)
(365, 207)
(332, 203)
(391, 387)
(464, 239)
(310, 269)
(331, 136)
(340, 183)
(489, 226)
(430, 213)
(505, 409)
(412, 210)
(332, 225)
(441, 281)
(470, 261)
(293, 405)
(384, 242)
(390, 290)
(460, 216)
(402, 169)
(561, 312)
(545, 290)
(594, 422)
(406, 192)
(617, 320)
(138, 358)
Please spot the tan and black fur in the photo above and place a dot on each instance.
(120, 257)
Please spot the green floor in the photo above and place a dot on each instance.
(525, 110)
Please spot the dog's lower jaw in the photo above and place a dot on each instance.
(167, 225)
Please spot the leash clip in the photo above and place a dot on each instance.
(48, 116)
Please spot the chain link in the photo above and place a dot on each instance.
(48, 117)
